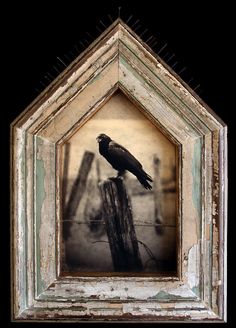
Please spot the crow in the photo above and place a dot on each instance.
(121, 159)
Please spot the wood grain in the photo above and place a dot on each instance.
(118, 218)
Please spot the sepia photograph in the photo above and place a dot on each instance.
(118, 194)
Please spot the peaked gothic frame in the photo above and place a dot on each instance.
(118, 59)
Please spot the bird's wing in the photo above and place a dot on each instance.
(123, 156)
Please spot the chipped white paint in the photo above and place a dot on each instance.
(154, 103)
(193, 272)
(166, 74)
(82, 103)
(119, 289)
(83, 67)
(118, 59)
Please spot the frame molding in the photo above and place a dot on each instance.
(118, 59)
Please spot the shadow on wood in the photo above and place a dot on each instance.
(117, 214)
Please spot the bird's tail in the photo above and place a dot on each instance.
(143, 178)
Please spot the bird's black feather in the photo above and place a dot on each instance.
(121, 159)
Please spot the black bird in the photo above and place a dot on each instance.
(121, 159)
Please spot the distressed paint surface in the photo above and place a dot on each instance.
(82, 104)
(154, 102)
(30, 214)
(20, 278)
(156, 64)
(36, 114)
(151, 77)
(40, 195)
(114, 288)
(45, 214)
(191, 223)
(119, 59)
(194, 268)
(196, 173)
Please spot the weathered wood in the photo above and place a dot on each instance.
(77, 192)
(45, 218)
(87, 100)
(117, 214)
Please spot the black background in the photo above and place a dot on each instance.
(34, 34)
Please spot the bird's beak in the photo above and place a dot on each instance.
(98, 139)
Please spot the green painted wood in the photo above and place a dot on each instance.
(45, 210)
(40, 195)
(197, 181)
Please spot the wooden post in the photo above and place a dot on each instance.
(157, 190)
(77, 192)
(118, 219)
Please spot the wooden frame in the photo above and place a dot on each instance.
(118, 59)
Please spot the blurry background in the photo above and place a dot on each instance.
(86, 246)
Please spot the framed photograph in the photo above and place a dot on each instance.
(91, 243)
(119, 194)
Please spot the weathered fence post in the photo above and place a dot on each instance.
(118, 219)
(77, 192)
